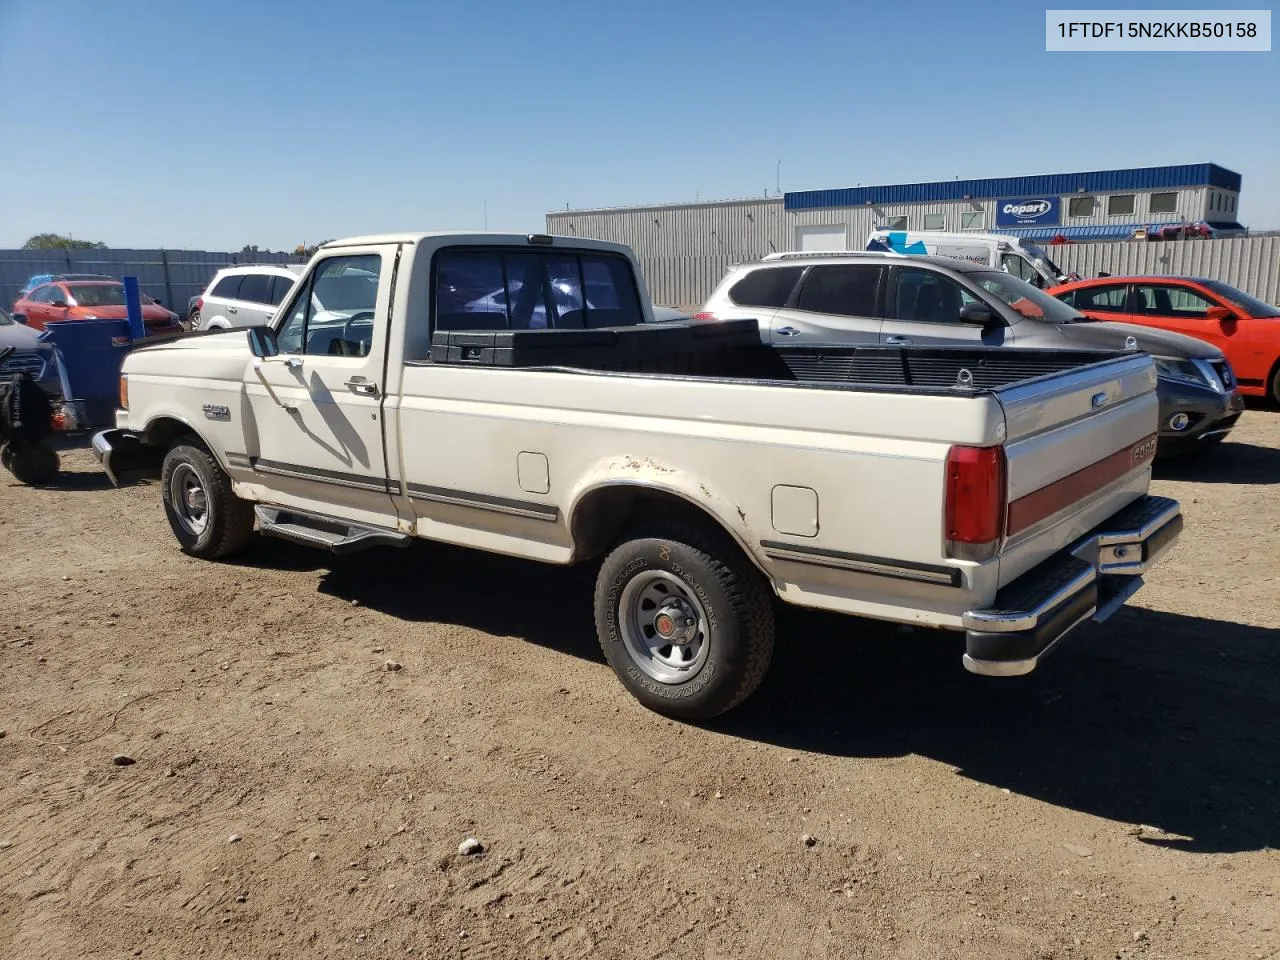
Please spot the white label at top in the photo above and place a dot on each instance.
(1121, 31)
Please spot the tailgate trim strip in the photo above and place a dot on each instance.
(1031, 508)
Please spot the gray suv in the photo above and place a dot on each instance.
(891, 299)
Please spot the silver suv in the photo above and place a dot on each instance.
(243, 296)
(893, 299)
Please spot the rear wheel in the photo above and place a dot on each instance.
(208, 519)
(1274, 386)
(194, 320)
(684, 619)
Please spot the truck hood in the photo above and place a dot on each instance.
(1108, 335)
(218, 355)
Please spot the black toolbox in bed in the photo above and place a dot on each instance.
(680, 347)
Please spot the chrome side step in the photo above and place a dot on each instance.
(326, 533)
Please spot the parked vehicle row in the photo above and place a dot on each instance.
(998, 494)
(901, 300)
(64, 298)
(1244, 328)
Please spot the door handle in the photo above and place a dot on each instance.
(897, 341)
(363, 387)
(233, 310)
(786, 331)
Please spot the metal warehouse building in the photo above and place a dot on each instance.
(684, 247)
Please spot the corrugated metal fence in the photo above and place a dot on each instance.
(171, 276)
(1249, 263)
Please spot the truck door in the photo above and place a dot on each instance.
(317, 405)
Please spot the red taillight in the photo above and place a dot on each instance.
(704, 316)
(199, 303)
(975, 507)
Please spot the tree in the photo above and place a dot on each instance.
(303, 250)
(54, 241)
(248, 248)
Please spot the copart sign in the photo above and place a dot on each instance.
(1029, 212)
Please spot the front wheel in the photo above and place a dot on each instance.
(1275, 385)
(209, 520)
(685, 621)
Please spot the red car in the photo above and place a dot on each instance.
(89, 300)
(1245, 328)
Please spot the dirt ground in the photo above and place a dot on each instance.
(291, 797)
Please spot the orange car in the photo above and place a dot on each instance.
(89, 300)
(1245, 328)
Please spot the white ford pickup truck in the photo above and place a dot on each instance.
(513, 394)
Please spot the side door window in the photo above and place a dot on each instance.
(228, 288)
(841, 290)
(255, 288)
(1110, 298)
(333, 314)
(1186, 304)
(922, 296)
(280, 287)
(1019, 267)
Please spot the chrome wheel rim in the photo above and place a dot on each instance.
(190, 502)
(664, 627)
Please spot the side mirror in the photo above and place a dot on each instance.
(978, 315)
(58, 303)
(262, 342)
(1219, 314)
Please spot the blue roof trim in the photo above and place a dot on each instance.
(1053, 184)
(1118, 231)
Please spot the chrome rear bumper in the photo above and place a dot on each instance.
(1089, 580)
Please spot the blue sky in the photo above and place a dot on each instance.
(216, 123)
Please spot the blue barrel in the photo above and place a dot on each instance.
(90, 354)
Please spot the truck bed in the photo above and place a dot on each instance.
(732, 350)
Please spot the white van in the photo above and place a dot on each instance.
(1024, 260)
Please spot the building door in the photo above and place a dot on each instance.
(822, 238)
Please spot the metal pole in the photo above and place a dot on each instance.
(133, 305)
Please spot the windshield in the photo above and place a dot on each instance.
(97, 294)
(1250, 305)
(5, 319)
(1038, 253)
(1029, 301)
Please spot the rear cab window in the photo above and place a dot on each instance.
(485, 289)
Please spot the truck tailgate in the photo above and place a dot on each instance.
(1079, 447)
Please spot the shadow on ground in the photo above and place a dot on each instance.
(1228, 462)
(1152, 718)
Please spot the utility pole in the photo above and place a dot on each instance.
(486, 216)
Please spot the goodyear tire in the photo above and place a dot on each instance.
(685, 621)
(209, 521)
